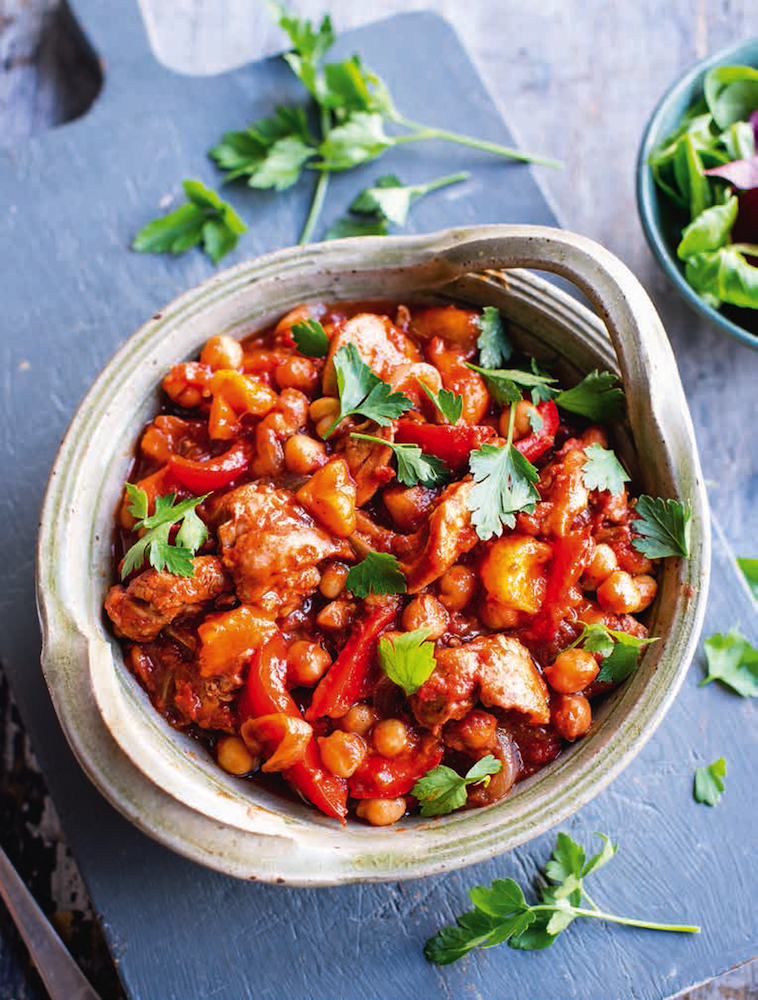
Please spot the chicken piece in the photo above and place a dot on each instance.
(449, 535)
(272, 547)
(494, 669)
(562, 485)
(451, 323)
(153, 599)
(450, 362)
(378, 341)
(369, 463)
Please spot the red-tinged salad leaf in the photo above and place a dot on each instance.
(742, 174)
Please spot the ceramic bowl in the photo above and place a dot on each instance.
(161, 779)
(661, 229)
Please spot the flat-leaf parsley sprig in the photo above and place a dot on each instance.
(501, 912)
(620, 650)
(443, 790)
(354, 106)
(205, 219)
(154, 545)
(414, 468)
(362, 393)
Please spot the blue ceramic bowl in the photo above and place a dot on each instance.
(658, 221)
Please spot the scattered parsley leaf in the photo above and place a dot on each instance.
(414, 468)
(270, 153)
(503, 485)
(363, 393)
(449, 404)
(733, 661)
(749, 569)
(309, 46)
(407, 658)
(596, 397)
(154, 545)
(709, 782)
(620, 650)
(505, 384)
(310, 338)
(359, 139)
(390, 199)
(603, 471)
(353, 227)
(378, 573)
(494, 346)
(501, 913)
(442, 789)
(205, 218)
(663, 527)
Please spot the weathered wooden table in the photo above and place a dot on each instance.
(576, 82)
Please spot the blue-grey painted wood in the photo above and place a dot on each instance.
(73, 199)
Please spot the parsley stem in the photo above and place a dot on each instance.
(590, 900)
(319, 193)
(441, 182)
(426, 132)
(578, 911)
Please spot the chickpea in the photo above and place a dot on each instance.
(326, 406)
(336, 616)
(222, 352)
(522, 426)
(293, 407)
(234, 756)
(572, 670)
(303, 454)
(648, 588)
(342, 753)
(600, 567)
(456, 587)
(475, 731)
(381, 812)
(571, 716)
(390, 737)
(333, 580)
(297, 373)
(496, 615)
(619, 594)
(359, 719)
(425, 611)
(307, 663)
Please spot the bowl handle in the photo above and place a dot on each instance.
(645, 356)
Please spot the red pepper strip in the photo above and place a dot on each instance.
(264, 694)
(570, 555)
(203, 477)
(536, 444)
(382, 778)
(345, 682)
(452, 443)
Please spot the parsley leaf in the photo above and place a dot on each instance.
(378, 573)
(749, 569)
(503, 485)
(449, 404)
(359, 139)
(353, 227)
(505, 384)
(596, 397)
(709, 782)
(270, 153)
(542, 391)
(310, 46)
(205, 218)
(494, 346)
(390, 199)
(620, 650)
(363, 393)
(603, 471)
(663, 527)
(501, 912)
(442, 789)
(414, 468)
(407, 658)
(310, 338)
(154, 545)
(733, 661)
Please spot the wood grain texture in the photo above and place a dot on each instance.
(578, 84)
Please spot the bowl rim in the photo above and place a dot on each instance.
(197, 836)
(647, 194)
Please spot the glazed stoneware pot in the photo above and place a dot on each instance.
(161, 779)
(660, 229)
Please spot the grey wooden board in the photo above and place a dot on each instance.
(72, 200)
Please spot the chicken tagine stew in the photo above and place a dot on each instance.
(376, 554)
